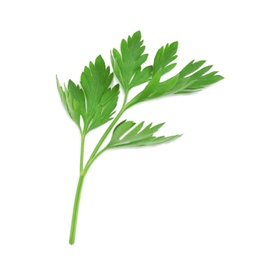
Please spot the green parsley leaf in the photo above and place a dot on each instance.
(127, 134)
(190, 79)
(73, 100)
(93, 100)
(127, 63)
(100, 98)
(193, 79)
(164, 56)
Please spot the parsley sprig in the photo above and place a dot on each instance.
(92, 102)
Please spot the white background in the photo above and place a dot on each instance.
(199, 197)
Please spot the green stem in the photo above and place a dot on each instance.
(82, 152)
(75, 210)
(78, 193)
(84, 170)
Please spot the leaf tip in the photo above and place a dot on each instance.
(137, 34)
(57, 81)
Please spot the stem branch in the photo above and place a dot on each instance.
(104, 136)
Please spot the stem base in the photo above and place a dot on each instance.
(75, 210)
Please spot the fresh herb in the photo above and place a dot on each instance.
(92, 102)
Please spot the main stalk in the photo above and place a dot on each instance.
(83, 170)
